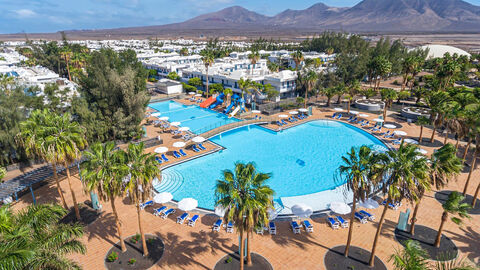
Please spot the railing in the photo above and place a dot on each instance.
(213, 126)
(234, 125)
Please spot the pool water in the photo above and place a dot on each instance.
(302, 159)
(198, 119)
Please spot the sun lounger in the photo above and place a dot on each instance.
(159, 160)
(339, 116)
(360, 218)
(217, 225)
(295, 227)
(354, 120)
(164, 158)
(279, 123)
(230, 227)
(350, 119)
(342, 221)
(158, 211)
(259, 230)
(272, 228)
(283, 122)
(192, 220)
(394, 206)
(176, 154)
(201, 147)
(397, 141)
(391, 135)
(376, 129)
(367, 215)
(195, 149)
(385, 133)
(308, 226)
(167, 213)
(361, 122)
(182, 153)
(182, 218)
(333, 223)
(335, 114)
(145, 204)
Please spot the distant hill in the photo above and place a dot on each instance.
(368, 16)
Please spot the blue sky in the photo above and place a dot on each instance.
(54, 15)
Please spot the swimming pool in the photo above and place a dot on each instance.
(302, 160)
(198, 119)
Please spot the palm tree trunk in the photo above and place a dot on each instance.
(433, 133)
(472, 168)
(439, 234)
(60, 192)
(475, 196)
(348, 106)
(385, 112)
(414, 217)
(328, 101)
(466, 149)
(377, 234)
(207, 82)
(249, 241)
(241, 249)
(350, 228)
(75, 205)
(140, 228)
(456, 144)
(420, 138)
(117, 222)
(306, 97)
(446, 137)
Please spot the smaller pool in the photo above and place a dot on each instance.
(199, 120)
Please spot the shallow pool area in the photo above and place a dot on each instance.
(198, 119)
(301, 159)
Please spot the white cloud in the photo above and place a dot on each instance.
(25, 13)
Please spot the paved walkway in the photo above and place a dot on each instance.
(200, 248)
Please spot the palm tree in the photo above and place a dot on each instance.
(228, 92)
(437, 102)
(143, 168)
(34, 238)
(406, 175)
(208, 58)
(358, 173)
(33, 135)
(66, 54)
(412, 257)
(422, 121)
(272, 66)
(254, 57)
(310, 78)
(474, 163)
(103, 172)
(388, 96)
(297, 58)
(245, 85)
(453, 205)
(246, 198)
(329, 92)
(353, 89)
(66, 139)
(443, 166)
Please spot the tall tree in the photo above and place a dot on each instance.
(453, 205)
(388, 96)
(422, 121)
(103, 172)
(143, 168)
(412, 257)
(208, 59)
(254, 56)
(297, 57)
(246, 198)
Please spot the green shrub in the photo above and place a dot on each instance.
(132, 261)
(112, 257)
(135, 238)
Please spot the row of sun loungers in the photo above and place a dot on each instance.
(291, 119)
(394, 206)
(164, 213)
(198, 148)
(218, 224)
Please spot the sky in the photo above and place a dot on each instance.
(36, 16)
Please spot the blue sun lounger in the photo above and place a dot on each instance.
(360, 218)
(394, 206)
(230, 227)
(193, 220)
(342, 221)
(333, 223)
(164, 158)
(397, 141)
(350, 118)
(217, 225)
(308, 226)
(367, 215)
(335, 114)
(379, 128)
(365, 123)
(272, 228)
(283, 122)
(295, 227)
(279, 123)
(182, 153)
(391, 135)
(195, 149)
(339, 116)
(167, 213)
(158, 211)
(201, 146)
(176, 154)
(354, 120)
(145, 204)
(182, 218)
(159, 160)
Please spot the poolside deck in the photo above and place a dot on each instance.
(200, 248)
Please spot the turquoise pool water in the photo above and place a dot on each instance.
(198, 119)
(302, 159)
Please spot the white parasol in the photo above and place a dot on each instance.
(354, 112)
(175, 124)
(220, 211)
(340, 208)
(163, 197)
(256, 111)
(283, 116)
(163, 118)
(410, 141)
(303, 110)
(160, 150)
(400, 133)
(378, 120)
(364, 115)
(187, 204)
(184, 129)
(301, 210)
(293, 112)
(369, 204)
(389, 126)
(191, 93)
(198, 139)
(178, 144)
(338, 109)
(156, 114)
(198, 95)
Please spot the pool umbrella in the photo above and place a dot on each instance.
(354, 112)
(187, 204)
(400, 133)
(369, 204)
(364, 115)
(160, 150)
(198, 95)
(293, 112)
(163, 197)
(175, 124)
(184, 129)
(178, 144)
(340, 208)
(389, 126)
(272, 214)
(379, 120)
(256, 111)
(156, 114)
(303, 110)
(283, 116)
(338, 109)
(301, 210)
(191, 93)
(410, 141)
(421, 151)
(220, 211)
(198, 139)
(163, 118)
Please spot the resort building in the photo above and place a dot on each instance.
(176, 63)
